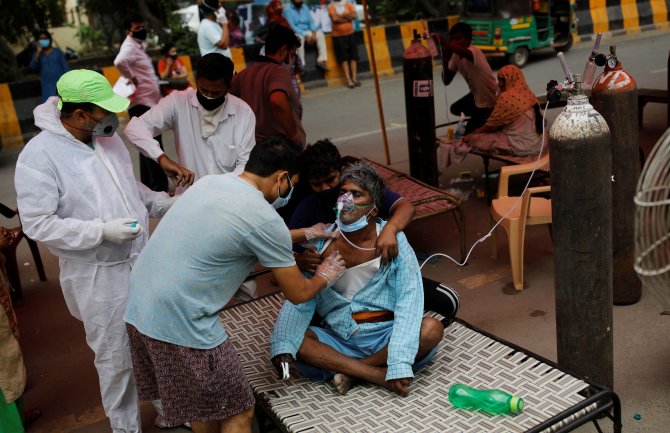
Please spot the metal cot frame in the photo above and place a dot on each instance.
(556, 400)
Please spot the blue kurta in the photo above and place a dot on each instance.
(51, 67)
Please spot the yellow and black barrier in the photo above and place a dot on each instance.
(17, 100)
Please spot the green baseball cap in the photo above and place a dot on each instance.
(83, 85)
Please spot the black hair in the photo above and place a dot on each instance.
(42, 32)
(319, 159)
(166, 48)
(215, 66)
(70, 107)
(461, 27)
(367, 178)
(280, 36)
(132, 17)
(272, 154)
(210, 7)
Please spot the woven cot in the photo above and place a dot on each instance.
(427, 200)
(465, 355)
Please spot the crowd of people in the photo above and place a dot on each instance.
(149, 304)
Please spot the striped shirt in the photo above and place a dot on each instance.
(395, 287)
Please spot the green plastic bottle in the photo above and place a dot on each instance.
(490, 400)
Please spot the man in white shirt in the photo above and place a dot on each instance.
(135, 64)
(461, 56)
(213, 35)
(214, 130)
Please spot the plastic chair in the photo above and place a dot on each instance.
(526, 210)
(10, 256)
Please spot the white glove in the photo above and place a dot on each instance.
(121, 230)
(160, 207)
(319, 231)
(331, 268)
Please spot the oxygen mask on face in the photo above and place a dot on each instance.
(345, 203)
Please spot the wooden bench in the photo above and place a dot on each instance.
(555, 399)
(427, 200)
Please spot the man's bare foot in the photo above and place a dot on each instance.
(343, 383)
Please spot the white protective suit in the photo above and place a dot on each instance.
(66, 191)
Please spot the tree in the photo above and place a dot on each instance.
(108, 16)
(399, 10)
(20, 19)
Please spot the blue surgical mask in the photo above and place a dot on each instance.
(44, 43)
(355, 226)
(283, 201)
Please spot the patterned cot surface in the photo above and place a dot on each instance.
(427, 200)
(465, 356)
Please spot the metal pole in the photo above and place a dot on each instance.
(373, 64)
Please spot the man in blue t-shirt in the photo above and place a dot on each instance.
(194, 262)
(321, 166)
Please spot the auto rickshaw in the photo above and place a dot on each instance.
(514, 28)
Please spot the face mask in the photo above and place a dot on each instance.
(106, 127)
(283, 201)
(355, 226)
(173, 56)
(140, 34)
(210, 104)
(44, 43)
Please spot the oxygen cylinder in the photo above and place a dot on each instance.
(614, 95)
(581, 200)
(420, 110)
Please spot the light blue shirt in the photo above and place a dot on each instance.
(300, 20)
(396, 287)
(209, 33)
(198, 256)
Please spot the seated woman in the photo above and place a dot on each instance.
(172, 69)
(515, 125)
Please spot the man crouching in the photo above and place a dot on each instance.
(373, 327)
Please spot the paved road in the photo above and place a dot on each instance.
(350, 116)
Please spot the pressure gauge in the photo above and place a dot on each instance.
(612, 62)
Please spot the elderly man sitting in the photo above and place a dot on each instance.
(373, 327)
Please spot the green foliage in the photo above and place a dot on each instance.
(91, 38)
(395, 10)
(181, 36)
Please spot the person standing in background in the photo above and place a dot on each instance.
(266, 86)
(135, 64)
(213, 36)
(49, 62)
(344, 40)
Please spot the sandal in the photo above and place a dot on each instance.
(357, 83)
(351, 85)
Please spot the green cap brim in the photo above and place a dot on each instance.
(115, 104)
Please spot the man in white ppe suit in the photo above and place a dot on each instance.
(76, 193)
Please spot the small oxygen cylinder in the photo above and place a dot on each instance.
(590, 68)
(614, 95)
(581, 201)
